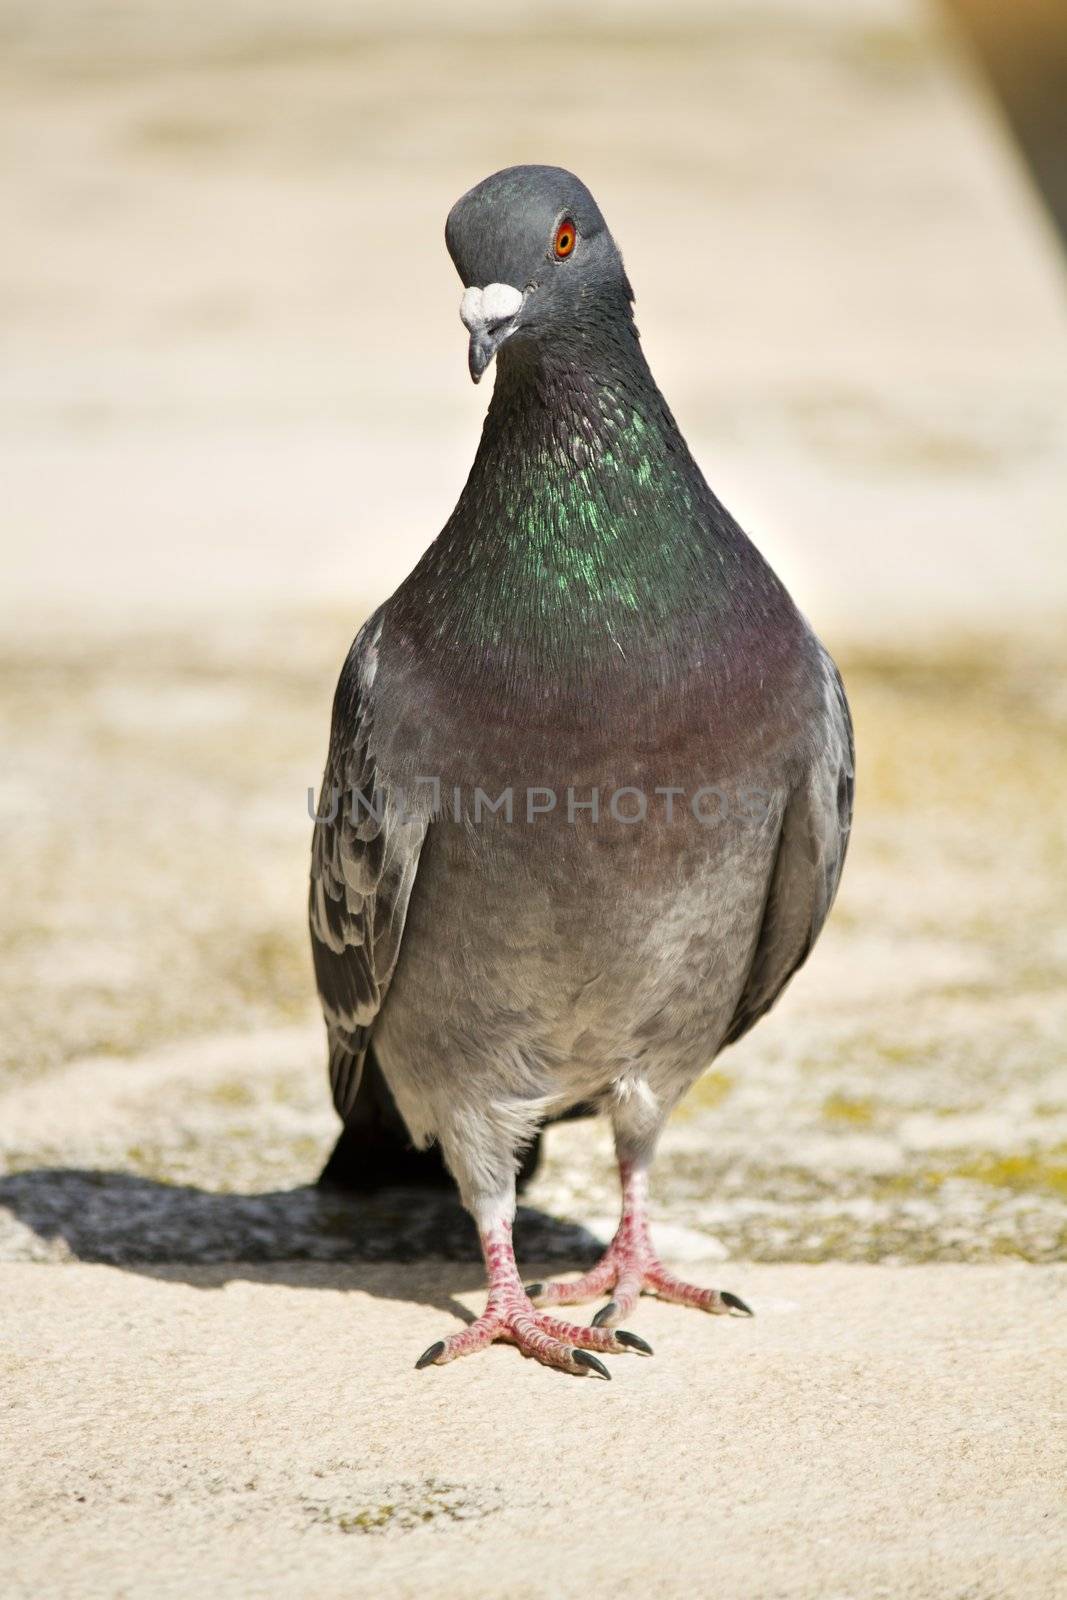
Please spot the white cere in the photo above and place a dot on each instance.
(497, 302)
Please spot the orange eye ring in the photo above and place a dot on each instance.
(565, 240)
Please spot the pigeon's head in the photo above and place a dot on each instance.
(536, 258)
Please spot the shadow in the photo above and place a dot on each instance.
(207, 1239)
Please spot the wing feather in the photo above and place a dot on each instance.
(364, 858)
(808, 863)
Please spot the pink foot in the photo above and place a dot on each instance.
(510, 1316)
(630, 1267)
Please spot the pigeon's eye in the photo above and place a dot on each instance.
(566, 234)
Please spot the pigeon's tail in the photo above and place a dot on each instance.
(375, 1150)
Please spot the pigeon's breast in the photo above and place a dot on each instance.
(592, 884)
(571, 945)
(642, 715)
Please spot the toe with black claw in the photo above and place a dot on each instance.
(429, 1356)
(584, 1358)
(631, 1342)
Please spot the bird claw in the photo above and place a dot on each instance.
(630, 1341)
(429, 1356)
(538, 1335)
(583, 1358)
(632, 1273)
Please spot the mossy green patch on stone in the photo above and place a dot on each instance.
(714, 1087)
(407, 1507)
(234, 1092)
(856, 1111)
(1035, 1172)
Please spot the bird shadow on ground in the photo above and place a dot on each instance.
(308, 1236)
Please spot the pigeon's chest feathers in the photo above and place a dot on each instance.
(588, 582)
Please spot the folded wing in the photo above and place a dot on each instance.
(364, 857)
(807, 867)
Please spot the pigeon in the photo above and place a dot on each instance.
(589, 785)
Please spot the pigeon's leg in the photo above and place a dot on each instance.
(630, 1266)
(510, 1315)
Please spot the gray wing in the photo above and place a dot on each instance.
(808, 863)
(364, 856)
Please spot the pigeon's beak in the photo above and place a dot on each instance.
(489, 315)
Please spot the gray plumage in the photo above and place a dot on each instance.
(590, 617)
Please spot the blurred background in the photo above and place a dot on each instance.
(234, 410)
